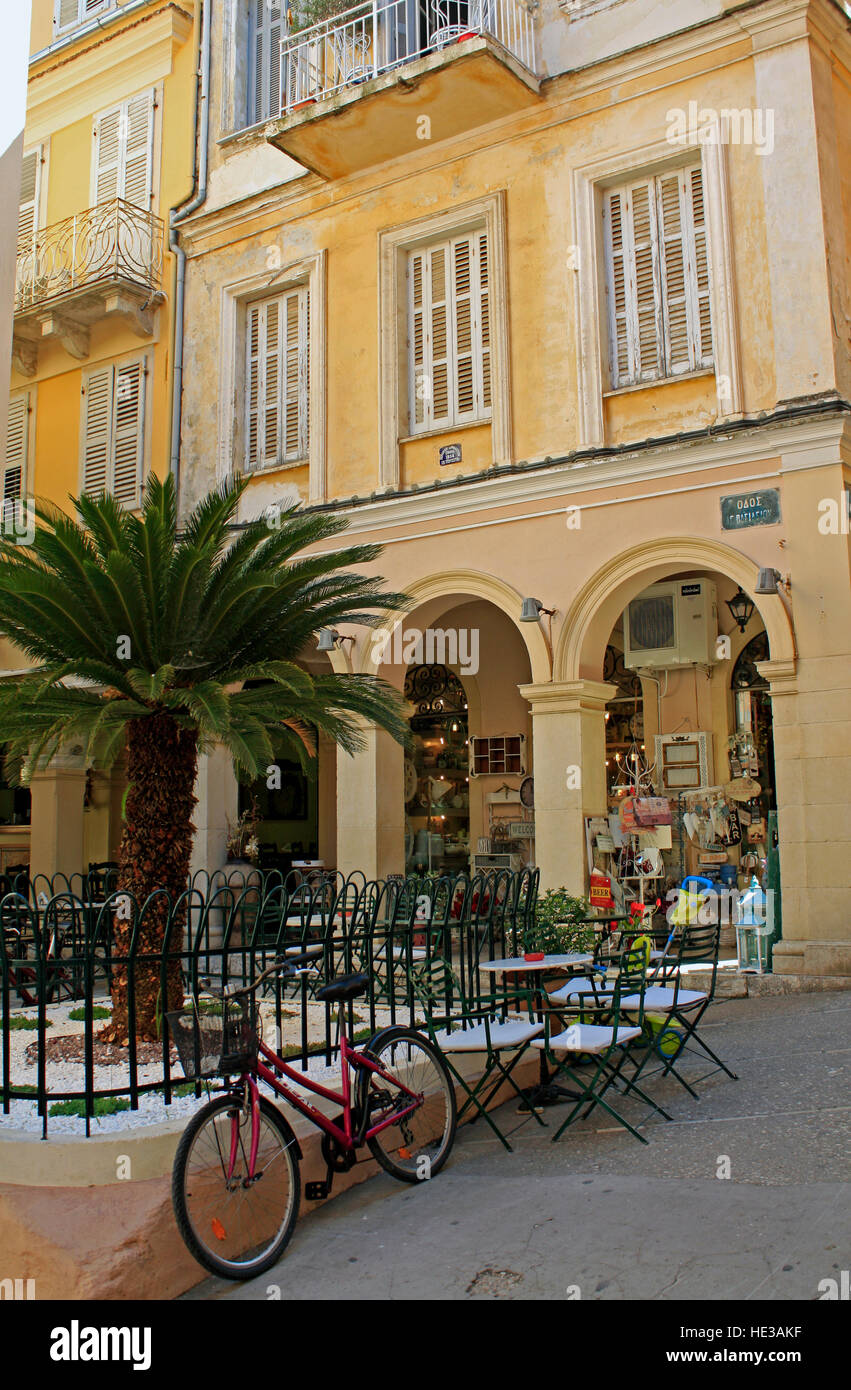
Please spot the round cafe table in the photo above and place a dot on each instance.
(547, 1092)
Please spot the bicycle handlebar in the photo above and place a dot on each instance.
(295, 965)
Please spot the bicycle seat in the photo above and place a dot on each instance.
(344, 987)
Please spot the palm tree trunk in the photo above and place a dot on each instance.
(155, 853)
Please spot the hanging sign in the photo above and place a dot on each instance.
(750, 509)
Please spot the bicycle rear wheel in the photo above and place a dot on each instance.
(234, 1230)
(418, 1144)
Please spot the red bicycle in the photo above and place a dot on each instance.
(235, 1184)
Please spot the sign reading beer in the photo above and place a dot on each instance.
(750, 509)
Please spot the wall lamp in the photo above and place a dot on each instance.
(531, 610)
(741, 607)
(770, 581)
(330, 639)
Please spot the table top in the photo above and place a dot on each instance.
(518, 964)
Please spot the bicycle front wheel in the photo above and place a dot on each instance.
(417, 1145)
(234, 1224)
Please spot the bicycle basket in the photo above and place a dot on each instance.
(216, 1037)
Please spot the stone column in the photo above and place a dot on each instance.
(371, 808)
(217, 791)
(812, 762)
(569, 765)
(56, 839)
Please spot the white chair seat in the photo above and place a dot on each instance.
(502, 1036)
(657, 997)
(401, 953)
(587, 1037)
(580, 986)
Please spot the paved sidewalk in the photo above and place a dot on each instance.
(600, 1216)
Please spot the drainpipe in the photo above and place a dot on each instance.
(196, 199)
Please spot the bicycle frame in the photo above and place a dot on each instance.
(350, 1058)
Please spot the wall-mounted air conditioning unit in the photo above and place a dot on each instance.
(672, 624)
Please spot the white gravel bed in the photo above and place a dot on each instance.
(70, 1076)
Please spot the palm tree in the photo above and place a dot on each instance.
(164, 644)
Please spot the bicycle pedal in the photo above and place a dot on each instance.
(317, 1191)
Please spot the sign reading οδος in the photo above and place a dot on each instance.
(750, 509)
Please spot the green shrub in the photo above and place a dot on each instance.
(558, 927)
(104, 1105)
(79, 1015)
(27, 1024)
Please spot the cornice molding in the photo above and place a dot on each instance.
(86, 81)
(801, 445)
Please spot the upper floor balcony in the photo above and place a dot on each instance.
(101, 262)
(386, 76)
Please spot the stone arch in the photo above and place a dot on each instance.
(453, 584)
(595, 609)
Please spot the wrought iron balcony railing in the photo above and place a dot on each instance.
(112, 243)
(374, 37)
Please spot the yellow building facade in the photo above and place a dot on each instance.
(553, 300)
(108, 153)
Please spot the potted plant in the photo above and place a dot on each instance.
(560, 925)
(350, 44)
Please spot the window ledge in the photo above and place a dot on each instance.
(284, 467)
(658, 381)
(445, 430)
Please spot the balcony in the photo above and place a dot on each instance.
(382, 79)
(102, 262)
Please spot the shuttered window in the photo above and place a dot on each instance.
(69, 13)
(28, 207)
(657, 278)
(123, 153)
(17, 447)
(278, 378)
(265, 66)
(113, 431)
(449, 333)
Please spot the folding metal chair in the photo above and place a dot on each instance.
(608, 1041)
(683, 1008)
(461, 1023)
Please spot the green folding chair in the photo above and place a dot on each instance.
(466, 1023)
(603, 1034)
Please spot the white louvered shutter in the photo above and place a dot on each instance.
(296, 309)
(699, 261)
(449, 333)
(127, 431)
(29, 201)
(485, 322)
(17, 447)
(619, 285)
(633, 288)
(657, 278)
(109, 129)
(278, 378)
(267, 32)
(138, 150)
(124, 142)
(67, 13)
(97, 430)
(646, 300)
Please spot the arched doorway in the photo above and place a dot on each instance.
(685, 748)
(437, 776)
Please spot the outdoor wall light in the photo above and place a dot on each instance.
(531, 610)
(769, 582)
(741, 606)
(329, 639)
